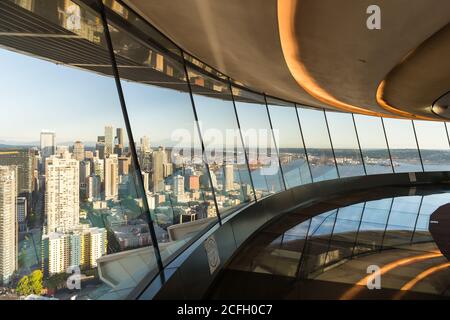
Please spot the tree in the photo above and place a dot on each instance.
(23, 286)
(36, 281)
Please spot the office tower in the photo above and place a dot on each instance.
(120, 138)
(99, 168)
(145, 144)
(8, 224)
(120, 135)
(178, 185)
(85, 171)
(100, 148)
(98, 245)
(118, 149)
(146, 179)
(62, 203)
(167, 169)
(78, 151)
(229, 177)
(124, 165)
(159, 159)
(22, 212)
(62, 151)
(109, 140)
(111, 177)
(193, 183)
(23, 159)
(93, 188)
(47, 144)
(205, 182)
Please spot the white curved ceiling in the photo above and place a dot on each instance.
(319, 52)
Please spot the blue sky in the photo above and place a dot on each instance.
(36, 94)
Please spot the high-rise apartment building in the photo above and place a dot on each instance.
(62, 203)
(82, 248)
(8, 223)
(78, 151)
(109, 140)
(111, 181)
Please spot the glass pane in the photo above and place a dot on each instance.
(64, 143)
(177, 182)
(292, 151)
(373, 144)
(141, 26)
(345, 144)
(317, 144)
(433, 144)
(402, 144)
(223, 144)
(259, 143)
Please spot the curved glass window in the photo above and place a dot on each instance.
(259, 142)
(402, 144)
(290, 144)
(345, 144)
(373, 144)
(78, 193)
(177, 182)
(318, 145)
(224, 151)
(433, 144)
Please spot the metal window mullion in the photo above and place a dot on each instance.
(205, 161)
(359, 145)
(275, 143)
(446, 131)
(132, 146)
(242, 139)
(357, 231)
(417, 219)
(331, 143)
(417, 143)
(304, 145)
(386, 226)
(387, 145)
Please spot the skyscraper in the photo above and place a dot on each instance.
(62, 203)
(99, 168)
(23, 160)
(47, 144)
(111, 177)
(109, 140)
(22, 213)
(124, 165)
(78, 151)
(93, 188)
(120, 139)
(85, 171)
(229, 177)
(145, 144)
(159, 159)
(8, 224)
